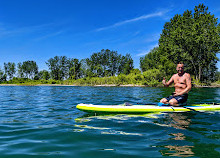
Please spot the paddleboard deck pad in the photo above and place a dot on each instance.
(144, 108)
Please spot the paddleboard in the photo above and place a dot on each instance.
(144, 108)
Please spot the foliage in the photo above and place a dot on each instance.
(2, 76)
(58, 67)
(74, 68)
(126, 64)
(153, 77)
(63, 68)
(194, 39)
(156, 59)
(10, 69)
(28, 69)
(44, 75)
(108, 63)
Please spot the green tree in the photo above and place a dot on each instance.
(74, 68)
(156, 59)
(85, 70)
(113, 62)
(126, 64)
(28, 69)
(44, 74)
(135, 71)
(150, 60)
(10, 69)
(193, 39)
(1, 76)
(20, 70)
(109, 63)
(97, 64)
(58, 67)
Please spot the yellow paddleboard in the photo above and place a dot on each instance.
(144, 108)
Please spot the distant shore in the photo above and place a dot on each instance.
(104, 85)
(214, 85)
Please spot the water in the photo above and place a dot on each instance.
(43, 122)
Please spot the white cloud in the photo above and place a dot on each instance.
(143, 17)
(144, 52)
(12, 31)
(50, 35)
(42, 31)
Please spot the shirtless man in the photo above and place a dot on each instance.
(182, 84)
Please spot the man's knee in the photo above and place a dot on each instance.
(173, 102)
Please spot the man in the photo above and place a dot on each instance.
(182, 84)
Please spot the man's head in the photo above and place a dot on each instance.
(180, 68)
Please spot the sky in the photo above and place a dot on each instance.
(41, 29)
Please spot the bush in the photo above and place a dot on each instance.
(123, 79)
(153, 74)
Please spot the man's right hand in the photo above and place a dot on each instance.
(164, 81)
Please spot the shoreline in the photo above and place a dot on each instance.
(104, 85)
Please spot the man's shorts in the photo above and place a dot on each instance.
(180, 98)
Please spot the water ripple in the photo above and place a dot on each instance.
(43, 122)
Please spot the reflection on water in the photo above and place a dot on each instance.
(179, 121)
(171, 129)
(88, 116)
(178, 136)
(179, 151)
(119, 118)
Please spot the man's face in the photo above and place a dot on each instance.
(180, 68)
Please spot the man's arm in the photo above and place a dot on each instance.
(169, 82)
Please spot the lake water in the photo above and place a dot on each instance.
(43, 121)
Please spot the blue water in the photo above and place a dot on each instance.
(42, 121)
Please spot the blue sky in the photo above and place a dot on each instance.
(41, 29)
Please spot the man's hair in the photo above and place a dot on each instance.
(180, 62)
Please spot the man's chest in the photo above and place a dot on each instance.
(180, 79)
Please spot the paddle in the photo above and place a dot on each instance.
(180, 105)
(190, 108)
(162, 104)
(129, 104)
(168, 105)
(200, 111)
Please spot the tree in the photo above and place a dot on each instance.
(193, 39)
(74, 68)
(28, 69)
(85, 70)
(2, 76)
(58, 67)
(126, 64)
(10, 69)
(156, 59)
(20, 70)
(150, 60)
(44, 74)
(109, 63)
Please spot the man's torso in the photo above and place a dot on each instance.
(180, 82)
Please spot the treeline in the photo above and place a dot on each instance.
(27, 69)
(102, 64)
(105, 63)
